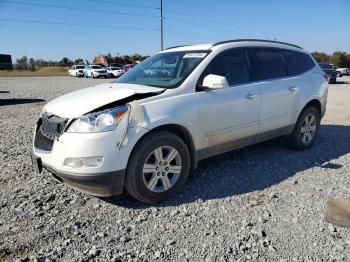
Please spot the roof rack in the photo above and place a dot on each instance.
(175, 47)
(254, 40)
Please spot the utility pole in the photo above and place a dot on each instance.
(161, 25)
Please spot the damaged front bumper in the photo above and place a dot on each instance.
(99, 184)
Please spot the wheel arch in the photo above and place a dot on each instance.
(180, 131)
(314, 103)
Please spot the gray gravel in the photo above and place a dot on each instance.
(264, 202)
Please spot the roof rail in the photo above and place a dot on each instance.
(254, 40)
(175, 47)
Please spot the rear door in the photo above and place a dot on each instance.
(279, 93)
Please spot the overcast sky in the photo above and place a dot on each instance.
(53, 29)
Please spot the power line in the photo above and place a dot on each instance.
(123, 4)
(190, 35)
(77, 9)
(260, 32)
(75, 24)
(205, 26)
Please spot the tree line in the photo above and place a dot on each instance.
(25, 63)
(339, 59)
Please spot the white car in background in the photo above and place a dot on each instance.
(343, 71)
(95, 71)
(113, 71)
(76, 70)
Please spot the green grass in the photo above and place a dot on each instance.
(45, 71)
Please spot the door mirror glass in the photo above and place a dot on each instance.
(215, 82)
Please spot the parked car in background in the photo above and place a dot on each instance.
(94, 71)
(147, 131)
(76, 70)
(343, 71)
(126, 68)
(330, 72)
(113, 71)
(115, 65)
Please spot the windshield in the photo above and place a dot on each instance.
(115, 68)
(96, 67)
(166, 70)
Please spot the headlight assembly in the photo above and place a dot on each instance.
(102, 121)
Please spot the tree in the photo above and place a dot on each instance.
(65, 62)
(340, 59)
(22, 63)
(32, 64)
(321, 57)
(79, 61)
(136, 57)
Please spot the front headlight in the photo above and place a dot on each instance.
(102, 121)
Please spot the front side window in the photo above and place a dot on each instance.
(165, 70)
(269, 64)
(296, 62)
(96, 67)
(231, 64)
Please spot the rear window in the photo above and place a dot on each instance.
(296, 62)
(269, 64)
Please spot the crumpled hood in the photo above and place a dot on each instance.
(80, 102)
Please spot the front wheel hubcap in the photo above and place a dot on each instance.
(162, 169)
(308, 129)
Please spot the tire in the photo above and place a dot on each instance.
(148, 187)
(303, 135)
(92, 75)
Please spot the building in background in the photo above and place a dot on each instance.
(5, 62)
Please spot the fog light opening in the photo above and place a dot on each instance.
(83, 162)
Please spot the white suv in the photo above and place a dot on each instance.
(146, 131)
(76, 70)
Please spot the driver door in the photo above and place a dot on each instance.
(229, 118)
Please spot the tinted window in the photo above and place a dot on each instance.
(296, 62)
(269, 64)
(231, 64)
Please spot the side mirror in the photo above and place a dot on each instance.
(215, 82)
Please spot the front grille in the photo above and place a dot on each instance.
(49, 129)
(43, 142)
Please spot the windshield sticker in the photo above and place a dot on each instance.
(194, 55)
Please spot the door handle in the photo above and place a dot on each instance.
(292, 88)
(251, 96)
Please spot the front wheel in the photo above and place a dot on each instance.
(158, 167)
(306, 129)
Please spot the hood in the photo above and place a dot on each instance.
(80, 102)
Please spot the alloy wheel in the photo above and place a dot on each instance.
(162, 169)
(308, 129)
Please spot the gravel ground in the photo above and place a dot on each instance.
(261, 203)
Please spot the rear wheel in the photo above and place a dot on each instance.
(306, 129)
(158, 167)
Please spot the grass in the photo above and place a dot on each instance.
(45, 71)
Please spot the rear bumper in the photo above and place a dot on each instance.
(100, 184)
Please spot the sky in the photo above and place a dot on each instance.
(53, 29)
